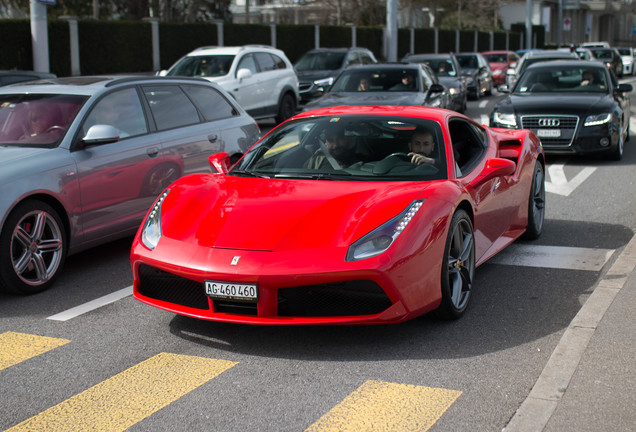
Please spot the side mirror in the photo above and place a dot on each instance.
(162, 73)
(220, 162)
(436, 88)
(243, 74)
(496, 167)
(503, 88)
(101, 134)
(624, 88)
(510, 72)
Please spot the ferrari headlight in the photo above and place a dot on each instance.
(379, 240)
(151, 232)
(599, 119)
(497, 72)
(508, 120)
(325, 82)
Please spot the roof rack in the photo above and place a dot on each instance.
(127, 79)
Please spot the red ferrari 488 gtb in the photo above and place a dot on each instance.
(344, 215)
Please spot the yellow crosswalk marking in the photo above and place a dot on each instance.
(381, 406)
(128, 397)
(18, 347)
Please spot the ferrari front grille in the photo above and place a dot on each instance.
(160, 285)
(350, 298)
(566, 125)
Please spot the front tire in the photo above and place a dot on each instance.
(536, 204)
(458, 267)
(33, 247)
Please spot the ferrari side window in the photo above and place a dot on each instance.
(468, 144)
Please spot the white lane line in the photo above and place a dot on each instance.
(560, 185)
(483, 119)
(483, 103)
(553, 257)
(92, 305)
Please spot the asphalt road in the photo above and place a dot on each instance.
(117, 364)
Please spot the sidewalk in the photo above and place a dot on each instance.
(589, 382)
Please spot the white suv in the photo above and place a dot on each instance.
(260, 77)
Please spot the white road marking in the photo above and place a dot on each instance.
(483, 103)
(559, 257)
(483, 119)
(560, 185)
(92, 305)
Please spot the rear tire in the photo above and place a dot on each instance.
(286, 109)
(33, 247)
(536, 204)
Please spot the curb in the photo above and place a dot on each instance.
(544, 398)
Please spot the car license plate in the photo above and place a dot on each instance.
(549, 133)
(231, 291)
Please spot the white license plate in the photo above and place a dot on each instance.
(231, 291)
(549, 133)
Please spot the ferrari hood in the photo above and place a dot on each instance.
(273, 215)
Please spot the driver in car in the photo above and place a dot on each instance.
(421, 147)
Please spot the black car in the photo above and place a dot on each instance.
(573, 106)
(611, 58)
(384, 84)
(448, 73)
(477, 72)
(318, 68)
(532, 57)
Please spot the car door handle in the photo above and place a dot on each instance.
(152, 152)
(212, 138)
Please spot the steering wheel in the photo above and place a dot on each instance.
(55, 128)
(400, 155)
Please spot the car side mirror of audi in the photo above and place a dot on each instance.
(496, 167)
(101, 134)
(220, 162)
(503, 88)
(624, 88)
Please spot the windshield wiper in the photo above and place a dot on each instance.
(248, 174)
(313, 176)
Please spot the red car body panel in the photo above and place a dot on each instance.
(291, 233)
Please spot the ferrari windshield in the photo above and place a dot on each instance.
(36, 120)
(351, 147)
(571, 79)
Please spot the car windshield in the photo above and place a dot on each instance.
(625, 51)
(467, 61)
(441, 66)
(377, 79)
(352, 147)
(575, 79)
(36, 120)
(603, 53)
(203, 65)
(496, 58)
(313, 61)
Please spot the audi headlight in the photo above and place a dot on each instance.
(453, 90)
(379, 240)
(508, 120)
(599, 119)
(151, 232)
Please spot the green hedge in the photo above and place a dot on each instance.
(109, 47)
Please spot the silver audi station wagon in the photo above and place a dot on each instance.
(82, 159)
